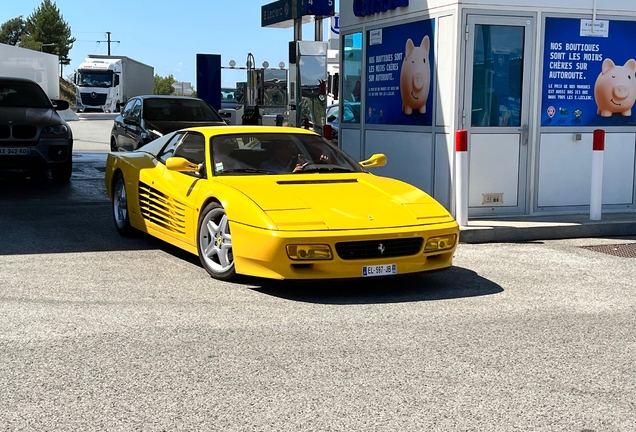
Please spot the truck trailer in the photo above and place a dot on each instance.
(105, 82)
(16, 62)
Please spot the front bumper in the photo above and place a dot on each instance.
(262, 253)
(46, 152)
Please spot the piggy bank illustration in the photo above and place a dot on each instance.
(615, 88)
(415, 76)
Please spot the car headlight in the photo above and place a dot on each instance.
(309, 252)
(60, 129)
(440, 243)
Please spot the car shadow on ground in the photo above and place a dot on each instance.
(456, 282)
(41, 216)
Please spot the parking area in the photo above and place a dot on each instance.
(100, 332)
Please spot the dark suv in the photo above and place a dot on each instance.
(33, 136)
(145, 118)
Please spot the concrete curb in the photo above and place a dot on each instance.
(528, 230)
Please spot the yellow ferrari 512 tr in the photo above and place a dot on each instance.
(277, 202)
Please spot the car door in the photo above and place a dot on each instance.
(131, 136)
(119, 127)
(167, 198)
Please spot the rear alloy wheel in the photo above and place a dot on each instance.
(120, 207)
(214, 243)
(62, 172)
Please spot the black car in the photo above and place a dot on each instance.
(147, 117)
(33, 136)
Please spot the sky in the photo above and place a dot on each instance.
(169, 34)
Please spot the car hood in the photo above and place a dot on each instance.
(31, 116)
(165, 127)
(338, 202)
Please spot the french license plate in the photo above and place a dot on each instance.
(15, 151)
(379, 270)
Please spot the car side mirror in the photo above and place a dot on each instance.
(131, 121)
(60, 104)
(377, 160)
(181, 164)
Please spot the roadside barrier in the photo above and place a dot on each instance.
(596, 196)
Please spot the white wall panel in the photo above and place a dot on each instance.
(409, 156)
(565, 169)
(618, 168)
(494, 168)
(443, 164)
(445, 71)
(350, 142)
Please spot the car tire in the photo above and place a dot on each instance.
(120, 207)
(113, 144)
(62, 173)
(214, 243)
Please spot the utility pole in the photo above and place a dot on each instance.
(109, 41)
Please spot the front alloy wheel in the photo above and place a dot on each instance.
(214, 242)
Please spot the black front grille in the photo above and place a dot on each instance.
(24, 132)
(98, 100)
(379, 248)
(5, 132)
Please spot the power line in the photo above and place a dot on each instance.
(109, 41)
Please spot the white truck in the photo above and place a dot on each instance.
(105, 82)
(34, 65)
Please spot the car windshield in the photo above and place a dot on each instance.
(95, 79)
(22, 94)
(278, 153)
(228, 95)
(182, 109)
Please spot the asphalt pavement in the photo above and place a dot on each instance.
(100, 332)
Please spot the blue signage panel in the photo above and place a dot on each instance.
(589, 73)
(316, 7)
(209, 79)
(279, 12)
(399, 74)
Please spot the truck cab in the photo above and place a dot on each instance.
(105, 83)
(98, 84)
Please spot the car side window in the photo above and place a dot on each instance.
(136, 110)
(128, 108)
(168, 150)
(191, 147)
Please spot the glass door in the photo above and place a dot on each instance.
(496, 112)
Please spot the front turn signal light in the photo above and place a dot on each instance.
(309, 252)
(440, 243)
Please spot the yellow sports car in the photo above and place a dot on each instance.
(277, 202)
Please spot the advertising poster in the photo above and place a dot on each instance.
(589, 73)
(399, 75)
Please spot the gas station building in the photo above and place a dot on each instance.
(529, 82)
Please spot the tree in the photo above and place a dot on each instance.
(163, 85)
(11, 31)
(46, 26)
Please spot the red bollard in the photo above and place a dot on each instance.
(327, 131)
(598, 142)
(461, 177)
